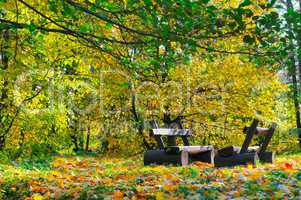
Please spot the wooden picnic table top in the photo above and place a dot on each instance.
(172, 132)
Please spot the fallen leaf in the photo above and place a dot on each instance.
(117, 195)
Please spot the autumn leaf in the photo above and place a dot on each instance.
(38, 197)
(117, 195)
(39, 189)
(288, 166)
(160, 196)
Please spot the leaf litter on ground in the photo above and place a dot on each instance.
(127, 178)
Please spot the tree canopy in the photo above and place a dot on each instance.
(73, 70)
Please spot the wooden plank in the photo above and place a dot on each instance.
(238, 159)
(172, 132)
(196, 149)
(190, 149)
(259, 131)
(231, 150)
(228, 151)
(268, 138)
(160, 157)
(249, 136)
(253, 149)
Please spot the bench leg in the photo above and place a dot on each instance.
(267, 157)
(207, 157)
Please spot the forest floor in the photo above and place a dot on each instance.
(92, 177)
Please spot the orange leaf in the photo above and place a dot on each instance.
(118, 195)
(81, 178)
(39, 189)
(194, 187)
(288, 166)
(237, 194)
(168, 187)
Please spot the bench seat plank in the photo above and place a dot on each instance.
(196, 149)
(190, 149)
(231, 150)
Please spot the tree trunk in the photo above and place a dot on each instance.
(299, 66)
(75, 143)
(171, 141)
(293, 74)
(4, 90)
(81, 140)
(88, 139)
(296, 101)
(139, 122)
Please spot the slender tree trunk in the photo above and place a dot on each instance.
(139, 122)
(293, 72)
(81, 140)
(299, 47)
(299, 66)
(74, 141)
(295, 97)
(88, 139)
(3, 98)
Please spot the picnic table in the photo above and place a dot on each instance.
(170, 153)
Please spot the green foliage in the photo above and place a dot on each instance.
(245, 3)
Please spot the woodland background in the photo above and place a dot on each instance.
(88, 75)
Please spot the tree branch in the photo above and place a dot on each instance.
(104, 18)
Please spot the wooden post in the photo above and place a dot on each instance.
(265, 156)
(249, 136)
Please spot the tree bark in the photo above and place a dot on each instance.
(295, 99)
(88, 139)
(299, 66)
(139, 122)
(293, 74)
(4, 90)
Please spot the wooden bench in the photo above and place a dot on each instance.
(233, 155)
(170, 153)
